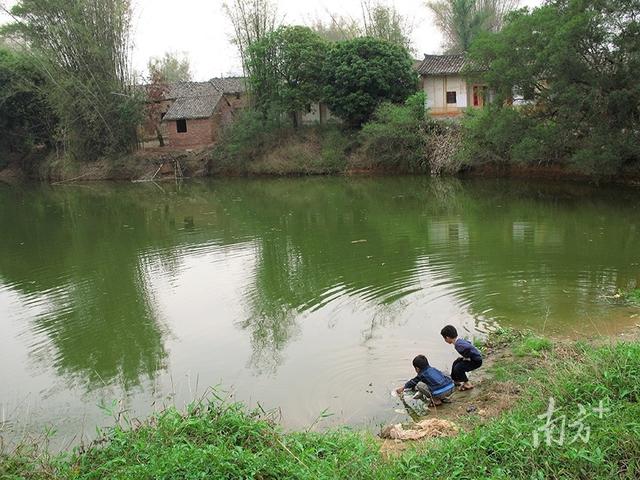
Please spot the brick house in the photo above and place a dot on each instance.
(199, 110)
(448, 92)
(191, 114)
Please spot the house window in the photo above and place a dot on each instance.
(451, 97)
(181, 125)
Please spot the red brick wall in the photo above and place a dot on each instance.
(199, 133)
(204, 131)
(226, 112)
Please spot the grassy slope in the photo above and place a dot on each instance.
(215, 441)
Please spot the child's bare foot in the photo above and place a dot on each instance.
(465, 386)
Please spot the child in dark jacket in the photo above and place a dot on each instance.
(470, 358)
(430, 382)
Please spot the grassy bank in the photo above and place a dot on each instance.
(213, 440)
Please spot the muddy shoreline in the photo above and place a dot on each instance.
(199, 163)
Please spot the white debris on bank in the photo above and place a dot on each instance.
(432, 428)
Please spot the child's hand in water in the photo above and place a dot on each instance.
(399, 390)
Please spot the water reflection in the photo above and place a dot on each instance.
(76, 255)
(90, 258)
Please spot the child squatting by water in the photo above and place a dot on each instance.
(470, 358)
(431, 384)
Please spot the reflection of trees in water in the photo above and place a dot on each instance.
(78, 252)
(104, 329)
(316, 242)
(544, 252)
(506, 250)
(271, 318)
(510, 249)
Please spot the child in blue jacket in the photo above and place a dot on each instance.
(429, 382)
(470, 357)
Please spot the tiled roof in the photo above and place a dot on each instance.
(192, 100)
(442, 64)
(199, 99)
(230, 84)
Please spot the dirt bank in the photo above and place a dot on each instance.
(305, 156)
(142, 164)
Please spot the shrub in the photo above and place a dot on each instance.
(244, 140)
(255, 145)
(395, 137)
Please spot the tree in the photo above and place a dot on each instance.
(26, 118)
(157, 91)
(378, 21)
(360, 74)
(83, 49)
(172, 67)
(577, 62)
(251, 20)
(337, 28)
(286, 70)
(385, 22)
(460, 21)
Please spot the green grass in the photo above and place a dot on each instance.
(533, 346)
(632, 296)
(214, 440)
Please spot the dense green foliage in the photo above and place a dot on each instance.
(82, 47)
(577, 62)
(286, 70)
(26, 119)
(212, 440)
(362, 73)
(395, 137)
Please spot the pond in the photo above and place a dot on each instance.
(306, 295)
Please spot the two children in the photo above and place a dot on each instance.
(435, 385)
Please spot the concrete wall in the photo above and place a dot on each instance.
(318, 113)
(436, 88)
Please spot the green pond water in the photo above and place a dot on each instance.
(307, 295)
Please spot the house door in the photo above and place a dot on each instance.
(479, 94)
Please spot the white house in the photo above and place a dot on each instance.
(448, 93)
